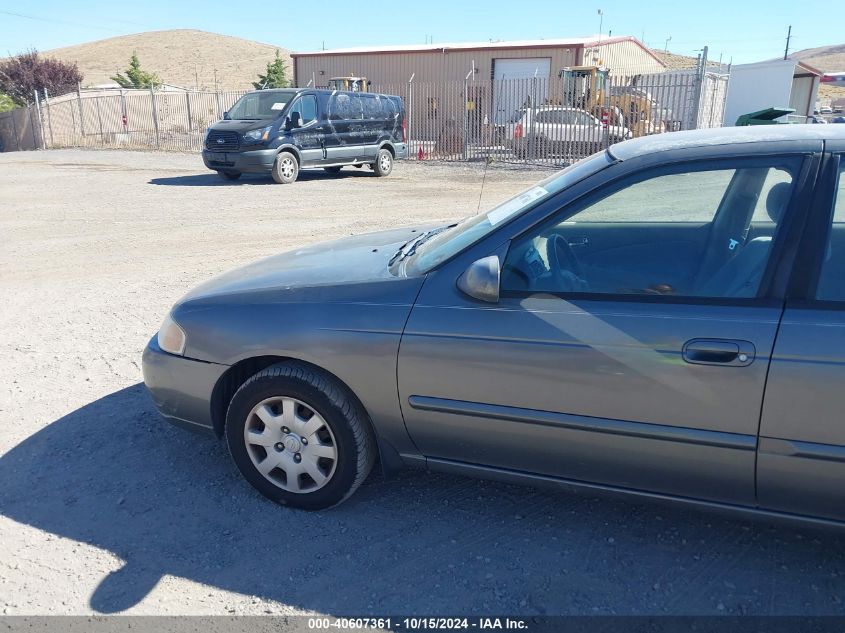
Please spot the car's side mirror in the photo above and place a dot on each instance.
(226, 115)
(294, 121)
(481, 280)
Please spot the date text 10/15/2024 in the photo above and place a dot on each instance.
(418, 623)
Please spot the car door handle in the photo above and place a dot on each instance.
(708, 351)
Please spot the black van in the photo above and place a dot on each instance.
(285, 130)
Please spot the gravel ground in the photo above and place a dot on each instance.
(106, 508)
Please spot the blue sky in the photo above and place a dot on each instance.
(743, 31)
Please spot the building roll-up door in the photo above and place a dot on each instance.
(517, 81)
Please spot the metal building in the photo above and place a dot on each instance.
(542, 59)
(463, 99)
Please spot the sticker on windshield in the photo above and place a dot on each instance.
(278, 106)
(511, 207)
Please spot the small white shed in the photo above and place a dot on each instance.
(775, 83)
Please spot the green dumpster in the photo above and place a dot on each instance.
(763, 117)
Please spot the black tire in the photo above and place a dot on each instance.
(285, 168)
(349, 424)
(332, 170)
(384, 163)
(229, 175)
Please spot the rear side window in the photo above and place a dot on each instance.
(549, 116)
(345, 106)
(376, 107)
(832, 280)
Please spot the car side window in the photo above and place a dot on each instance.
(307, 108)
(831, 285)
(676, 230)
(582, 118)
(567, 117)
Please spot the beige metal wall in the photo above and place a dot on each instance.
(397, 68)
(624, 58)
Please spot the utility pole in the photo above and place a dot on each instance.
(666, 45)
(196, 76)
(601, 21)
(788, 37)
(216, 86)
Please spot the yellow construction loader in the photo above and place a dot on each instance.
(352, 84)
(588, 88)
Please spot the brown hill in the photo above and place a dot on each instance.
(674, 61)
(183, 57)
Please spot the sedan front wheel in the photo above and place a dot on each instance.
(299, 437)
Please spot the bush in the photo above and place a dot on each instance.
(23, 74)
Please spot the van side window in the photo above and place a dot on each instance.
(344, 106)
(307, 108)
(372, 107)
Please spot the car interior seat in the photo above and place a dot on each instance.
(741, 275)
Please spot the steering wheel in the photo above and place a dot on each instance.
(564, 265)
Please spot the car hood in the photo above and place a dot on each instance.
(242, 126)
(347, 262)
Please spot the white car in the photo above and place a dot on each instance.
(560, 131)
(825, 110)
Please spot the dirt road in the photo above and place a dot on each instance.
(106, 508)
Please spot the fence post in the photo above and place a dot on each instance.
(32, 128)
(100, 120)
(466, 115)
(49, 117)
(410, 111)
(699, 80)
(124, 116)
(40, 122)
(81, 113)
(155, 114)
(190, 118)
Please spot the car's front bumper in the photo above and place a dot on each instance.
(254, 161)
(181, 387)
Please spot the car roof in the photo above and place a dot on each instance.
(554, 107)
(724, 136)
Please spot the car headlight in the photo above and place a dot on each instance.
(171, 337)
(257, 135)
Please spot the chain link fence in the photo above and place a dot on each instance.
(551, 121)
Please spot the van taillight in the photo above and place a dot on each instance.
(517, 131)
(404, 130)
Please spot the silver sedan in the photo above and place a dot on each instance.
(664, 319)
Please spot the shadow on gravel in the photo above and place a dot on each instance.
(213, 180)
(167, 501)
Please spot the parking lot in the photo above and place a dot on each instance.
(105, 508)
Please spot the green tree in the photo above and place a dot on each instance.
(275, 76)
(6, 103)
(135, 77)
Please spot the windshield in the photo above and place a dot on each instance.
(452, 240)
(265, 104)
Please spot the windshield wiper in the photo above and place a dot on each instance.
(410, 247)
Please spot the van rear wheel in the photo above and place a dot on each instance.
(384, 163)
(285, 168)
